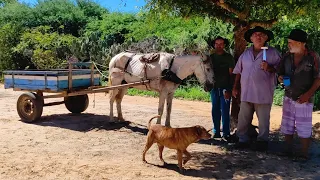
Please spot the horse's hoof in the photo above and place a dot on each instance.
(121, 119)
(111, 120)
(182, 170)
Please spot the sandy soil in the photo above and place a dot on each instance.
(88, 146)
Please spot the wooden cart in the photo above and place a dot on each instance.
(72, 84)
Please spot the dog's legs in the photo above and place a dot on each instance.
(162, 98)
(148, 145)
(188, 156)
(169, 107)
(160, 152)
(179, 154)
(119, 98)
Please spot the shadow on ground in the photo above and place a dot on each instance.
(252, 165)
(227, 165)
(86, 122)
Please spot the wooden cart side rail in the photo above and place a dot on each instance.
(96, 90)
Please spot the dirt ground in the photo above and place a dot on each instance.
(87, 146)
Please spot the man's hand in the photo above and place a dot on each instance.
(280, 79)
(227, 95)
(304, 98)
(264, 65)
(235, 92)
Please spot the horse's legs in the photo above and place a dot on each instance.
(113, 94)
(162, 98)
(119, 98)
(169, 107)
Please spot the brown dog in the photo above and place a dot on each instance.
(174, 138)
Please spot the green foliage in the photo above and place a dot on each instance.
(16, 13)
(278, 96)
(59, 13)
(9, 38)
(47, 34)
(1, 77)
(137, 92)
(253, 10)
(317, 101)
(182, 32)
(284, 26)
(45, 48)
(112, 23)
(192, 93)
(91, 9)
(5, 2)
(90, 48)
(64, 16)
(183, 92)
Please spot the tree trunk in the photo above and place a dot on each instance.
(240, 46)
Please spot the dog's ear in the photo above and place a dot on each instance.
(199, 130)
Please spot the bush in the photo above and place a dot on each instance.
(278, 96)
(279, 93)
(183, 92)
(317, 101)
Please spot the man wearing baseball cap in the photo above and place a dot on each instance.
(256, 72)
(300, 73)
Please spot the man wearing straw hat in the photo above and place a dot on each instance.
(300, 73)
(255, 78)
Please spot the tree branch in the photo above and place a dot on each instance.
(246, 11)
(226, 18)
(241, 15)
(265, 24)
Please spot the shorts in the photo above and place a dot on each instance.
(296, 116)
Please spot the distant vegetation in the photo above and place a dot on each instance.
(47, 34)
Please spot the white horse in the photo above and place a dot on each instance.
(126, 67)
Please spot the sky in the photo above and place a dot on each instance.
(131, 6)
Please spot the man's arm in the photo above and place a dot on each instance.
(316, 74)
(272, 68)
(237, 82)
(306, 96)
(236, 86)
(316, 83)
(230, 71)
(314, 87)
(231, 68)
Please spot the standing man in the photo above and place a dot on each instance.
(257, 80)
(300, 69)
(223, 64)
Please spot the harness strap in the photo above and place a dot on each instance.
(145, 75)
(172, 59)
(127, 64)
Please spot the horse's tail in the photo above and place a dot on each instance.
(149, 123)
(112, 64)
(109, 79)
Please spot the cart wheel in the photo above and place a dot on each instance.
(77, 104)
(29, 107)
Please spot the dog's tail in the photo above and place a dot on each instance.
(149, 123)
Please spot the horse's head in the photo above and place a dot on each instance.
(204, 71)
